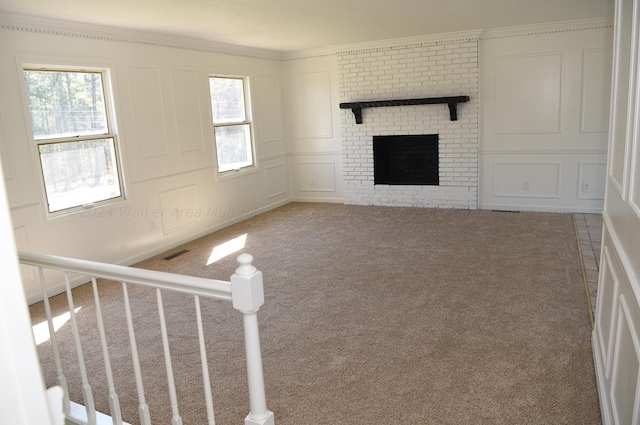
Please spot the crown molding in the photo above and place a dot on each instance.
(444, 38)
(30, 24)
(451, 37)
(308, 54)
(548, 28)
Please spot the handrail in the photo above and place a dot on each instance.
(244, 290)
(186, 284)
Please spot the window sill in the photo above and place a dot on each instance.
(102, 209)
(225, 175)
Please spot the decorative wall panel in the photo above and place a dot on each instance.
(591, 180)
(148, 110)
(528, 180)
(7, 169)
(634, 187)
(179, 208)
(596, 90)
(621, 95)
(528, 94)
(313, 96)
(276, 180)
(607, 293)
(626, 366)
(269, 104)
(187, 107)
(317, 176)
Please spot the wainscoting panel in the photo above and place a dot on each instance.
(622, 91)
(591, 180)
(276, 180)
(626, 364)
(520, 104)
(607, 293)
(527, 180)
(148, 110)
(596, 90)
(317, 176)
(179, 208)
(616, 337)
(542, 181)
(7, 168)
(634, 187)
(186, 106)
(270, 109)
(312, 94)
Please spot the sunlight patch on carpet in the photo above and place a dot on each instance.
(41, 330)
(227, 248)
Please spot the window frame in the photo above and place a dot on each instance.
(111, 134)
(248, 121)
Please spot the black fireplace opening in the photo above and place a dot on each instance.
(406, 160)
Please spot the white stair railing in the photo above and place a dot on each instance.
(245, 290)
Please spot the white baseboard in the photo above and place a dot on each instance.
(544, 208)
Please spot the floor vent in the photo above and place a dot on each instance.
(176, 254)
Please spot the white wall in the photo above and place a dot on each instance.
(173, 192)
(544, 117)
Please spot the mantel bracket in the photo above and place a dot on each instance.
(451, 101)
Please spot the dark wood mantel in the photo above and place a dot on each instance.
(451, 101)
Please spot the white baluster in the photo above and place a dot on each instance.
(175, 419)
(62, 381)
(87, 394)
(205, 368)
(114, 403)
(248, 295)
(143, 408)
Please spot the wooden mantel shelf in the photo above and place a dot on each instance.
(452, 101)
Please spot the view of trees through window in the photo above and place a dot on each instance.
(75, 143)
(231, 123)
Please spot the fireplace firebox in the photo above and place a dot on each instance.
(406, 160)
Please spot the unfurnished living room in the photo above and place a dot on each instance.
(291, 212)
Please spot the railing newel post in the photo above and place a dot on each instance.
(247, 296)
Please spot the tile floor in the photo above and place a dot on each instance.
(589, 228)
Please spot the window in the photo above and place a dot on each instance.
(76, 143)
(231, 123)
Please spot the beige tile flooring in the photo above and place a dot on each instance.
(589, 228)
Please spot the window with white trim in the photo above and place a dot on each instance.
(73, 130)
(232, 123)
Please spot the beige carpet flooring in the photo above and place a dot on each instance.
(373, 315)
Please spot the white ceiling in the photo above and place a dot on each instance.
(293, 25)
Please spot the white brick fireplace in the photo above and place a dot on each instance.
(426, 68)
